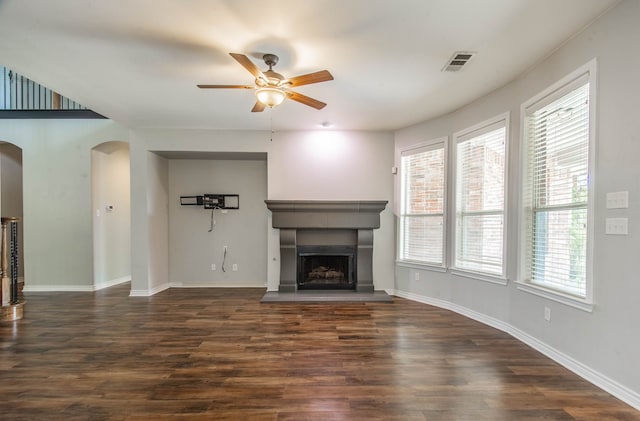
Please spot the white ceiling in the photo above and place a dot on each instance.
(138, 61)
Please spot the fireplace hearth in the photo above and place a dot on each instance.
(326, 244)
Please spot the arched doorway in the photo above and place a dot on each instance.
(111, 207)
(11, 192)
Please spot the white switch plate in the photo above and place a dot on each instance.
(234, 267)
(618, 200)
(617, 226)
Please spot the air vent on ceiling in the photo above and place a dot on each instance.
(458, 60)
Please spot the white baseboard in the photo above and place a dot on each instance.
(202, 285)
(112, 282)
(618, 390)
(58, 288)
(148, 292)
(76, 288)
(134, 292)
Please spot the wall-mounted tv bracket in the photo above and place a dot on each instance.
(212, 201)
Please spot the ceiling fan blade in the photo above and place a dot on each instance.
(303, 99)
(248, 64)
(321, 76)
(258, 108)
(225, 86)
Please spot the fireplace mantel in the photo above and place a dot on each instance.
(302, 221)
(344, 214)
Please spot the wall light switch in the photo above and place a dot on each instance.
(617, 226)
(618, 200)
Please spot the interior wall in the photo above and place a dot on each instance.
(334, 165)
(150, 183)
(111, 214)
(300, 165)
(56, 160)
(158, 213)
(193, 249)
(11, 192)
(603, 344)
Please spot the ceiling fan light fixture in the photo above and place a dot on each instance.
(270, 96)
(271, 88)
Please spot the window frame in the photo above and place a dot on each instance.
(499, 121)
(586, 74)
(437, 143)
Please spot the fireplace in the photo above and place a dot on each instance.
(326, 267)
(326, 244)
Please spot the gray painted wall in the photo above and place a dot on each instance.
(56, 161)
(150, 193)
(193, 249)
(333, 165)
(157, 199)
(301, 165)
(607, 341)
(111, 228)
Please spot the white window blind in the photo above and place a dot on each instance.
(422, 204)
(480, 185)
(557, 132)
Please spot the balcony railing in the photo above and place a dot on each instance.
(20, 97)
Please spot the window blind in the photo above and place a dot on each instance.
(480, 176)
(558, 155)
(422, 204)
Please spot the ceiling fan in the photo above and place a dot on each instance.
(272, 88)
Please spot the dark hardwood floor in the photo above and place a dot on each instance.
(218, 354)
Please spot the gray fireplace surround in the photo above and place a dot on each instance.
(326, 223)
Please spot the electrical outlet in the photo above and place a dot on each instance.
(213, 266)
(234, 267)
(547, 314)
(224, 248)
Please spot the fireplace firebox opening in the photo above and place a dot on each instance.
(326, 267)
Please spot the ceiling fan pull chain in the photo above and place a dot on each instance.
(271, 123)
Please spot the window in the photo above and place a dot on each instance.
(557, 130)
(480, 198)
(422, 204)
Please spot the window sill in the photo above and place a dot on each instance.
(423, 266)
(494, 279)
(556, 296)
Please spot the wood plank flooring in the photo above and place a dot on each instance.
(219, 354)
